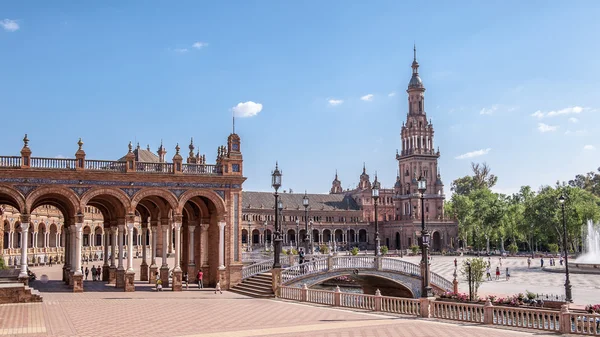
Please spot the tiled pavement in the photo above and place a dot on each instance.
(104, 311)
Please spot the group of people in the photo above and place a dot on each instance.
(186, 281)
(96, 273)
(551, 261)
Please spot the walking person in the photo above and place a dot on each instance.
(186, 280)
(218, 287)
(87, 272)
(93, 273)
(455, 263)
(51, 261)
(542, 262)
(507, 274)
(497, 273)
(488, 273)
(528, 263)
(199, 279)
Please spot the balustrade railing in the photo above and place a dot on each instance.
(54, 163)
(154, 167)
(401, 265)
(527, 318)
(457, 311)
(347, 262)
(200, 169)
(105, 165)
(320, 297)
(357, 301)
(582, 324)
(291, 293)
(441, 282)
(10, 161)
(399, 305)
(256, 268)
(306, 268)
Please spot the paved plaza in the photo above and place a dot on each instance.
(104, 311)
(586, 287)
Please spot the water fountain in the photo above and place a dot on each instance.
(590, 259)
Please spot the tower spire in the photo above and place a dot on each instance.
(233, 116)
(415, 52)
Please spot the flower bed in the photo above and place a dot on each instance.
(519, 300)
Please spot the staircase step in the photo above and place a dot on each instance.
(254, 288)
(258, 282)
(251, 293)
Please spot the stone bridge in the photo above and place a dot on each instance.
(407, 275)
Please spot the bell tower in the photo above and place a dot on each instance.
(418, 157)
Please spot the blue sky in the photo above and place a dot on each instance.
(113, 72)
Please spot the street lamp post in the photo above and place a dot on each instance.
(306, 234)
(375, 195)
(297, 234)
(312, 240)
(426, 290)
(276, 183)
(469, 280)
(568, 297)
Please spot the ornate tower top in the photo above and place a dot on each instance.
(364, 183)
(336, 185)
(415, 80)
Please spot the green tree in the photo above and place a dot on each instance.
(2, 265)
(481, 178)
(354, 251)
(383, 250)
(478, 266)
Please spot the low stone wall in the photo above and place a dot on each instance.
(17, 293)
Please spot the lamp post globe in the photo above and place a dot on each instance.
(426, 290)
(276, 183)
(306, 234)
(568, 295)
(375, 195)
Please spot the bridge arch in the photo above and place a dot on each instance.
(213, 197)
(165, 195)
(410, 284)
(61, 197)
(112, 202)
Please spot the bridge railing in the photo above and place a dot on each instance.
(332, 263)
(256, 268)
(347, 262)
(54, 163)
(441, 282)
(400, 265)
(311, 267)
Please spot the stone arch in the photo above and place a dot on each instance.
(149, 192)
(113, 192)
(66, 197)
(217, 201)
(13, 198)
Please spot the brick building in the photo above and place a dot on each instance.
(345, 218)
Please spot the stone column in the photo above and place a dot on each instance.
(23, 276)
(164, 268)
(153, 267)
(222, 245)
(128, 284)
(120, 269)
(177, 272)
(78, 241)
(73, 253)
(106, 266)
(191, 268)
(113, 251)
(203, 263)
(144, 265)
(66, 267)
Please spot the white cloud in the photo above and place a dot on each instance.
(576, 132)
(566, 111)
(589, 147)
(486, 111)
(180, 50)
(513, 108)
(367, 97)
(334, 102)
(9, 25)
(474, 154)
(247, 109)
(392, 94)
(573, 120)
(546, 128)
(538, 114)
(199, 45)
